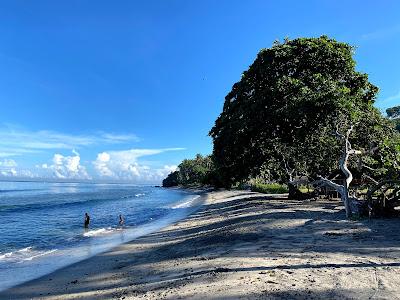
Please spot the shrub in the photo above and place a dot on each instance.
(270, 188)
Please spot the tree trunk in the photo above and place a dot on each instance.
(349, 177)
(293, 191)
(351, 205)
(345, 199)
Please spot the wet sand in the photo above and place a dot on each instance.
(241, 245)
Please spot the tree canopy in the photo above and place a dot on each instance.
(393, 112)
(197, 171)
(286, 112)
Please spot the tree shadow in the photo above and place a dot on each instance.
(238, 227)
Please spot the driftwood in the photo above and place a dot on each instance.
(353, 206)
(382, 197)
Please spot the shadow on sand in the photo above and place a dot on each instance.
(228, 229)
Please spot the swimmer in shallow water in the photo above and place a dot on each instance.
(87, 220)
(121, 220)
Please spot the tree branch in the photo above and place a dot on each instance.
(322, 181)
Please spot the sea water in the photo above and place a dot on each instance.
(41, 223)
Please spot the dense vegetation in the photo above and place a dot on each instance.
(283, 113)
(299, 113)
(269, 188)
(393, 114)
(197, 171)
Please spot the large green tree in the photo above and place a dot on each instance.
(393, 112)
(197, 171)
(292, 111)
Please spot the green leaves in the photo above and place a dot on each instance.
(197, 171)
(393, 112)
(285, 109)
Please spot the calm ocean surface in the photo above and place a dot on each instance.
(41, 224)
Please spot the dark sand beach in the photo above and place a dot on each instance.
(241, 245)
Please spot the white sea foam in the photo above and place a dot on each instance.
(5, 255)
(15, 254)
(136, 195)
(39, 254)
(26, 249)
(61, 248)
(98, 232)
(185, 204)
(24, 254)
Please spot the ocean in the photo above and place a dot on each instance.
(41, 223)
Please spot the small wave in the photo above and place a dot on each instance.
(5, 255)
(131, 196)
(15, 253)
(186, 203)
(97, 232)
(39, 254)
(24, 254)
(26, 249)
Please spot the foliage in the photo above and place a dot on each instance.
(271, 188)
(393, 112)
(396, 123)
(197, 171)
(283, 117)
(171, 180)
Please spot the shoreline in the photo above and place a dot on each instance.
(240, 244)
(112, 238)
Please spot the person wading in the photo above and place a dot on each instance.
(87, 220)
(121, 220)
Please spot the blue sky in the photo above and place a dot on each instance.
(124, 90)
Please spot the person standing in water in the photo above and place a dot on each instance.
(87, 220)
(121, 220)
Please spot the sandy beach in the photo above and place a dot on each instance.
(241, 245)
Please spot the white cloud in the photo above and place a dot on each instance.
(382, 33)
(101, 164)
(124, 165)
(110, 165)
(16, 141)
(7, 167)
(170, 169)
(67, 167)
(390, 101)
(8, 172)
(8, 163)
(6, 151)
(26, 173)
(120, 138)
(391, 98)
